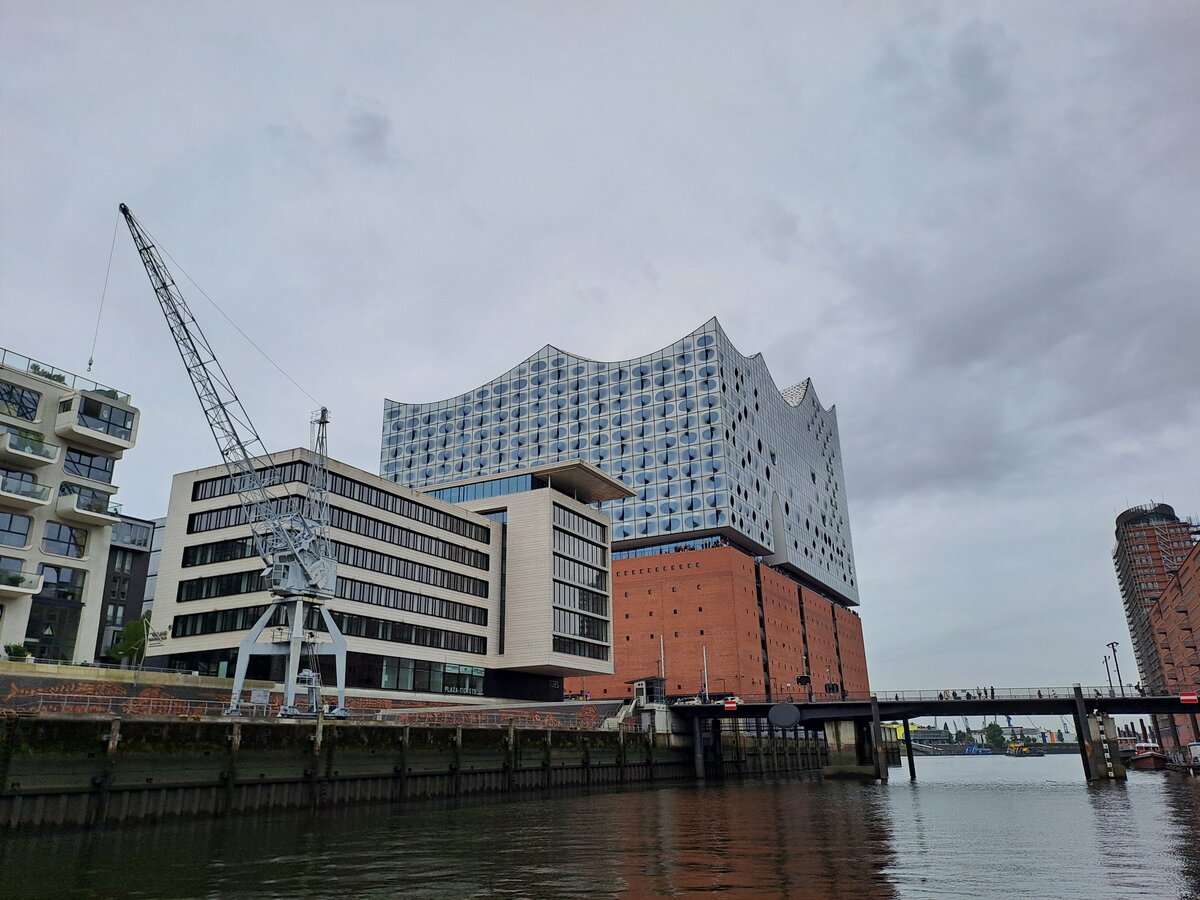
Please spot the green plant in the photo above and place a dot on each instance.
(49, 374)
(12, 579)
(16, 651)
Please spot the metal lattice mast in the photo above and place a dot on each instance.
(291, 538)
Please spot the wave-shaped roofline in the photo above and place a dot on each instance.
(801, 389)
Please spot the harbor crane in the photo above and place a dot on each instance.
(291, 533)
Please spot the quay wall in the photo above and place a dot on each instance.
(75, 770)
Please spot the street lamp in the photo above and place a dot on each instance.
(1112, 645)
(1107, 670)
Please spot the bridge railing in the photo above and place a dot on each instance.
(1048, 692)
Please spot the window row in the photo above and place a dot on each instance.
(580, 648)
(374, 561)
(343, 486)
(580, 573)
(19, 402)
(393, 598)
(573, 597)
(218, 552)
(402, 537)
(572, 521)
(577, 548)
(576, 625)
(223, 620)
(407, 633)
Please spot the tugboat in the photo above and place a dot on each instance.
(1018, 749)
(1148, 757)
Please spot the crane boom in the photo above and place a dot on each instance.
(282, 531)
(290, 535)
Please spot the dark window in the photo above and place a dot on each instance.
(88, 465)
(64, 540)
(14, 529)
(97, 415)
(18, 402)
(62, 583)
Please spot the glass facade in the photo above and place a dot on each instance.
(699, 431)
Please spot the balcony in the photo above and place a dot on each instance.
(97, 422)
(88, 508)
(23, 494)
(25, 449)
(15, 584)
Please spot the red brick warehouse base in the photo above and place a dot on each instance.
(685, 603)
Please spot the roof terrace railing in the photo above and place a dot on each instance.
(50, 373)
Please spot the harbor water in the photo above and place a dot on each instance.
(970, 827)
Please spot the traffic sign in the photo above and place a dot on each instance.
(1189, 697)
(730, 705)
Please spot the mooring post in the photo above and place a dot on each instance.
(698, 747)
(912, 765)
(1082, 732)
(718, 749)
(881, 771)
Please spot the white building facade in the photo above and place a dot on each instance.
(433, 599)
(60, 437)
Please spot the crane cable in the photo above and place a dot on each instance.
(236, 327)
(103, 293)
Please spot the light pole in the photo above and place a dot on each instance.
(1112, 645)
(1108, 671)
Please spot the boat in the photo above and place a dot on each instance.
(1015, 749)
(1148, 757)
(976, 750)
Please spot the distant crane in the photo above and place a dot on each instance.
(291, 534)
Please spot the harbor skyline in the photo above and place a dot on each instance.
(970, 232)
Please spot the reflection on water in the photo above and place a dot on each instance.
(984, 826)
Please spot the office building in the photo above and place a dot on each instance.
(727, 473)
(1174, 624)
(433, 598)
(60, 437)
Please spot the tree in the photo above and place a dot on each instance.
(994, 735)
(131, 644)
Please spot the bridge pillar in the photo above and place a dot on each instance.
(698, 747)
(1082, 731)
(877, 749)
(844, 758)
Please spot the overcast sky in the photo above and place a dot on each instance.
(973, 225)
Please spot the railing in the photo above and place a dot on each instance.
(23, 580)
(90, 500)
(50, 373)
(802, 695)
(28, 442)
(22, 488)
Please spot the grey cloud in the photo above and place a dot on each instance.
(369, 136)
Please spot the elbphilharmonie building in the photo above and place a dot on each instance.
(711, 447)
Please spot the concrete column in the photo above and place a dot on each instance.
(698, 747)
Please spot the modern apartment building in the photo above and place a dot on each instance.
(1151, 544)
(60, 438)
(719, 462)
(125, 579)
(433, 598)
